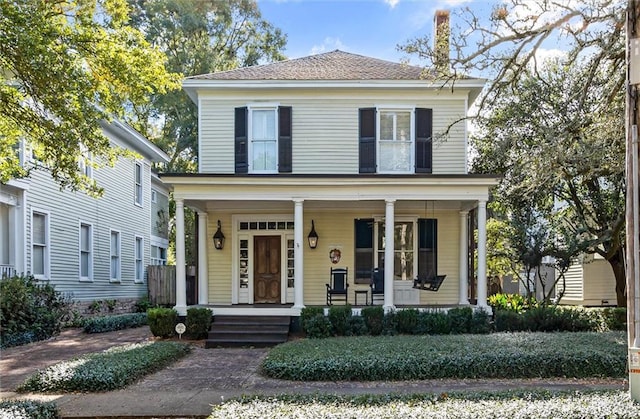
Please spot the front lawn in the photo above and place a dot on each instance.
(109, 370)
(523, 405)
(499, 355)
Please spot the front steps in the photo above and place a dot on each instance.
(238, 331)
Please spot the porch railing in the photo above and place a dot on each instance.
(7, 271)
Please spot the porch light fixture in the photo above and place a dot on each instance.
(313, 237)
(218, 238)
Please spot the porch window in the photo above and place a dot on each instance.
(86, 252)
(411, 253)
(115, 256)
(139, 262)
(40, 245)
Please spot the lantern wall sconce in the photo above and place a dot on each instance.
(313, 236)
(218, 238)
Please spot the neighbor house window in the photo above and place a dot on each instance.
(263, 152)
(115, 256)
(158, 255)
(138, 179)
(86, 245)
(139, 251)
(395, 141)
(84, 161)
(154, 196)
(40, 245)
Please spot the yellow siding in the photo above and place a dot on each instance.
(325, 127)
(599, 283)
(448, 261)
(219, 263)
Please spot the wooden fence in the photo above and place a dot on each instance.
(161, 282)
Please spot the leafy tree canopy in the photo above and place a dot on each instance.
(198, 37)
(65, 66)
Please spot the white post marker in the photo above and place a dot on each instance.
(180, 329)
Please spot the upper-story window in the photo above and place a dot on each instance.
(40, 245)
(263, 139)
(84, 161)
(395, 140)
(138, 183)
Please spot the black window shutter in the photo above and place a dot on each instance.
(364, 250)
(284, 139)
(427, 247)
(367, 149)
(424, 133)
(241, 150)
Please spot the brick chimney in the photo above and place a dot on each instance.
(441, 41)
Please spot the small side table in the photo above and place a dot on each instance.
(362, 292)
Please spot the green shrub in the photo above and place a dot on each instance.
(512, 302)
(162, 321)
(339, 319)
(613, 318)
(480, 322)
(552, 319)
(30, 310)
(460, 319)
(105, 371)
(407, 320)
(28, 409)
(433, 323)
(390, 324)
(142, 305)
(374, 319)
(318, 327)
(356, 326)
(508, 321)
(198, 322)
(308, 313)
(492, 356)
(110, 323)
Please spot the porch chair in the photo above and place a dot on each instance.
(430, 282)
(377, 284)
(339, 287)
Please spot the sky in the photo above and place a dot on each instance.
(368, 27)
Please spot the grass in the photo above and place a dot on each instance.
(521, 405)
(109, 370)
(499, 355)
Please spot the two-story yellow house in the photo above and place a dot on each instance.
(368, 154)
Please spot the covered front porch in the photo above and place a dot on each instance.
(266, 264)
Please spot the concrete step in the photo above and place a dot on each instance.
(257, 331)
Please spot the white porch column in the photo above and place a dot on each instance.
(464, 286)
(482, 254)
(298, 255)
(203, 274)
(389, 221)
(181, 281)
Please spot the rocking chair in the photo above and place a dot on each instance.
(339, 287)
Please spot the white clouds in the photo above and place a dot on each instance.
(392, 3)
(329, 44)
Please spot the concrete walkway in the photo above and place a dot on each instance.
(192, 385)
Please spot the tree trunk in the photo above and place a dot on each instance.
(618, 266)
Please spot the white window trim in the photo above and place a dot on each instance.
(47, 244)
(138, 200)
(119, 273)
(90, 277)
(412, 134)
(85, 166)
(135, 259)
(261, 106)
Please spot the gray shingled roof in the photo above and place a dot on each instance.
(334, 65)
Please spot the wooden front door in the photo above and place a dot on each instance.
(266, 271)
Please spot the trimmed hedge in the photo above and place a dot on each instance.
(198, 322)
(109, 370)
(28, 409)
(498, 355)
(110, 323)
(162, 321)
(455, 405)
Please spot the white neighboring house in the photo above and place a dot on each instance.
(91, 248)
(589, 282)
